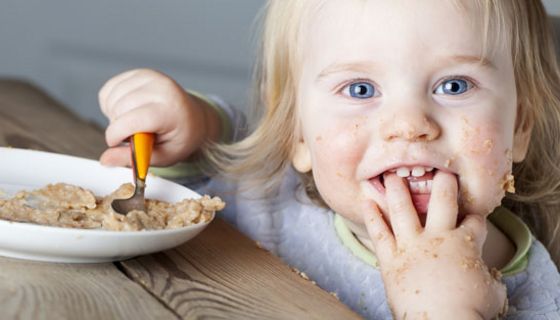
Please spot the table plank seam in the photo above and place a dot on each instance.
(162, 302)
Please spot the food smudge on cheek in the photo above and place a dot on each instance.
(508, 180)
(508, 185)
(487, 145)
(483, 145)
(449, 162)
(485, 167)
(477, 141)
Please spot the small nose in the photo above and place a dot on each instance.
(410, 127)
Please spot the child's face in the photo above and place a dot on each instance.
(389, 84)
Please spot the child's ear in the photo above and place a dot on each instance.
(302, 157)
(522, 136)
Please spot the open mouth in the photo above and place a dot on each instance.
(419, 178)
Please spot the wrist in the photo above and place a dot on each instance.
(410, 297)
(441, 312)
(216, 120)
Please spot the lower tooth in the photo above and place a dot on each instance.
(420, 186)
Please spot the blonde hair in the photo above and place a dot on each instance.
(262, 158)
(537, 197)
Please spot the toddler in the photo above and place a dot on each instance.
(388, 135)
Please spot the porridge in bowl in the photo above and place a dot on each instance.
(70, 206)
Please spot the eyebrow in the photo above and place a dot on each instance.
(366, 66)
(359, 66)
(464, 59)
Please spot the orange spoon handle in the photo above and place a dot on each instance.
(142, 144)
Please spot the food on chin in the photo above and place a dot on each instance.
(69, 206)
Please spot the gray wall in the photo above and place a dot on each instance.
(71, 48)
(553, 6)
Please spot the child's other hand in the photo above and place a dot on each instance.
(144, 100)
(434, 272)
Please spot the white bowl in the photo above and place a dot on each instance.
(27, 170)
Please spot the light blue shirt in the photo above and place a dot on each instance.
(304, 236)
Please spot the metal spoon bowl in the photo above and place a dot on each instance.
(135, 202)
(141, 145)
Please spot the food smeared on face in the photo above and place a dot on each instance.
(509, 183)
(424, 99)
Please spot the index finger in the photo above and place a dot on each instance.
(403, 215)
(141, 120)
(378, 231)
(108, 87)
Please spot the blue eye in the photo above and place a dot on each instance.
(454, 87)
(361, 90)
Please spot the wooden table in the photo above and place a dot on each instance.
(218, 274)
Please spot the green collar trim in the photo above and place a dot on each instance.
(350, 241)
(519, 233)
(502, 218)
(179, 170)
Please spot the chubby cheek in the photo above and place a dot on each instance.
(336, 154)
(485, 161)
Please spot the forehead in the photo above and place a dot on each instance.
(362, 29)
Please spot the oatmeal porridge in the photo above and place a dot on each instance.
(70, 206)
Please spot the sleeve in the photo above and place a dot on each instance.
(535, 292)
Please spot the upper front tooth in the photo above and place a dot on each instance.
(418, 171)
(403, 172)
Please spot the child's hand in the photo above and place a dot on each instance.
(434, 272)
(145, 100)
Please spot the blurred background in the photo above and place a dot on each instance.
(70, 48)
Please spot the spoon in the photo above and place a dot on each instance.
(141, 145)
